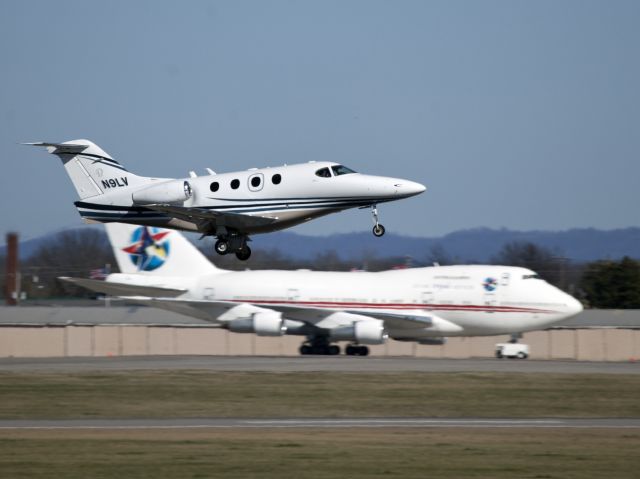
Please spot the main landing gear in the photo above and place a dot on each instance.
(236, 244)
(378, 229)
(356, 350)
(320, 345)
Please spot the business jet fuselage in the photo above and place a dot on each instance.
(229, 206)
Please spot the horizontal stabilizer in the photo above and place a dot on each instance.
(123, 289)
(73, 147)
(61, 147)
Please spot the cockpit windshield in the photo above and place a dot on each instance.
(341, 170)
(531, 276)
(323, 173)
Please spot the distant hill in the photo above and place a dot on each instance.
(474, 245)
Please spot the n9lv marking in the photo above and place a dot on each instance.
(115, 182)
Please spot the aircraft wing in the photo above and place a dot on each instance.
(221, 312)
(123, 289)
(213, 217)
(216, 312)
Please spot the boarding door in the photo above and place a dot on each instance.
(428, 300)
(293, 294)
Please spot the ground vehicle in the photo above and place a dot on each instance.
(512, 350)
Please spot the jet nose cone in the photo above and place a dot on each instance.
(407, 188)
(574, 306)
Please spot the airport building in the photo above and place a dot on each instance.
(64, 331)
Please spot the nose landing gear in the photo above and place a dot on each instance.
(378, 229)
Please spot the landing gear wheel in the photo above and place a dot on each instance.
(305, 349)
(222, 247)
(334, 350)
(378, 230)
(244, 253)
(354, 350)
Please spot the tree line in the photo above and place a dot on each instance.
(607, 284)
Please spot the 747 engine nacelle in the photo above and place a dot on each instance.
(366, 331)
(263, 323)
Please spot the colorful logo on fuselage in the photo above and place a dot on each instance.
(490, 284)
(149, 248)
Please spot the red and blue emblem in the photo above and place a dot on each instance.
(149, 248)
(490, 284)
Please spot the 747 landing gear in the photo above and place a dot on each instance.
(319, 345)
(356, 350)
(378, 229)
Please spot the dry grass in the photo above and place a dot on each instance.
(142, 394)
(355, 453)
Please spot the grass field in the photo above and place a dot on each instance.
(448, 453)
(141, 394)
(318, 453)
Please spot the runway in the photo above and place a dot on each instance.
(313, 364)
(297, 423)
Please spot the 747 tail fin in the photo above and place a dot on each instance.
(156, 251)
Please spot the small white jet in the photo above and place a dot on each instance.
(162, 269)
(229, 206)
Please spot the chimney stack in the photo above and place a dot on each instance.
(12, 287)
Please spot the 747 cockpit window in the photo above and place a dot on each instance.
(341, 170)
(323, 173)
(531, 276)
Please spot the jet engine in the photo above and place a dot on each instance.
(263, 323)
(170, 192)
(367, 331)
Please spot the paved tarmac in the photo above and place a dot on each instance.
(298, 423)
(313, 363)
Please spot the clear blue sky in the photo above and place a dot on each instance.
(516, 114)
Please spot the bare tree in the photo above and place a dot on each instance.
(69, 253)
(549, 265)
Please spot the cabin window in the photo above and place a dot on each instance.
(531, 276)
(255, 182)
(341, 170)
(235, 184)
(215, 186)
(323, 173)
(276, 179)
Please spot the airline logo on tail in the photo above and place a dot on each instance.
(149, 248)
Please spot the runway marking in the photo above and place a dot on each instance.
(322, 423)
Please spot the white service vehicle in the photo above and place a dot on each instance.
(512, 350)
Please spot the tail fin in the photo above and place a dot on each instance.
(156, 251)
(92, 171)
